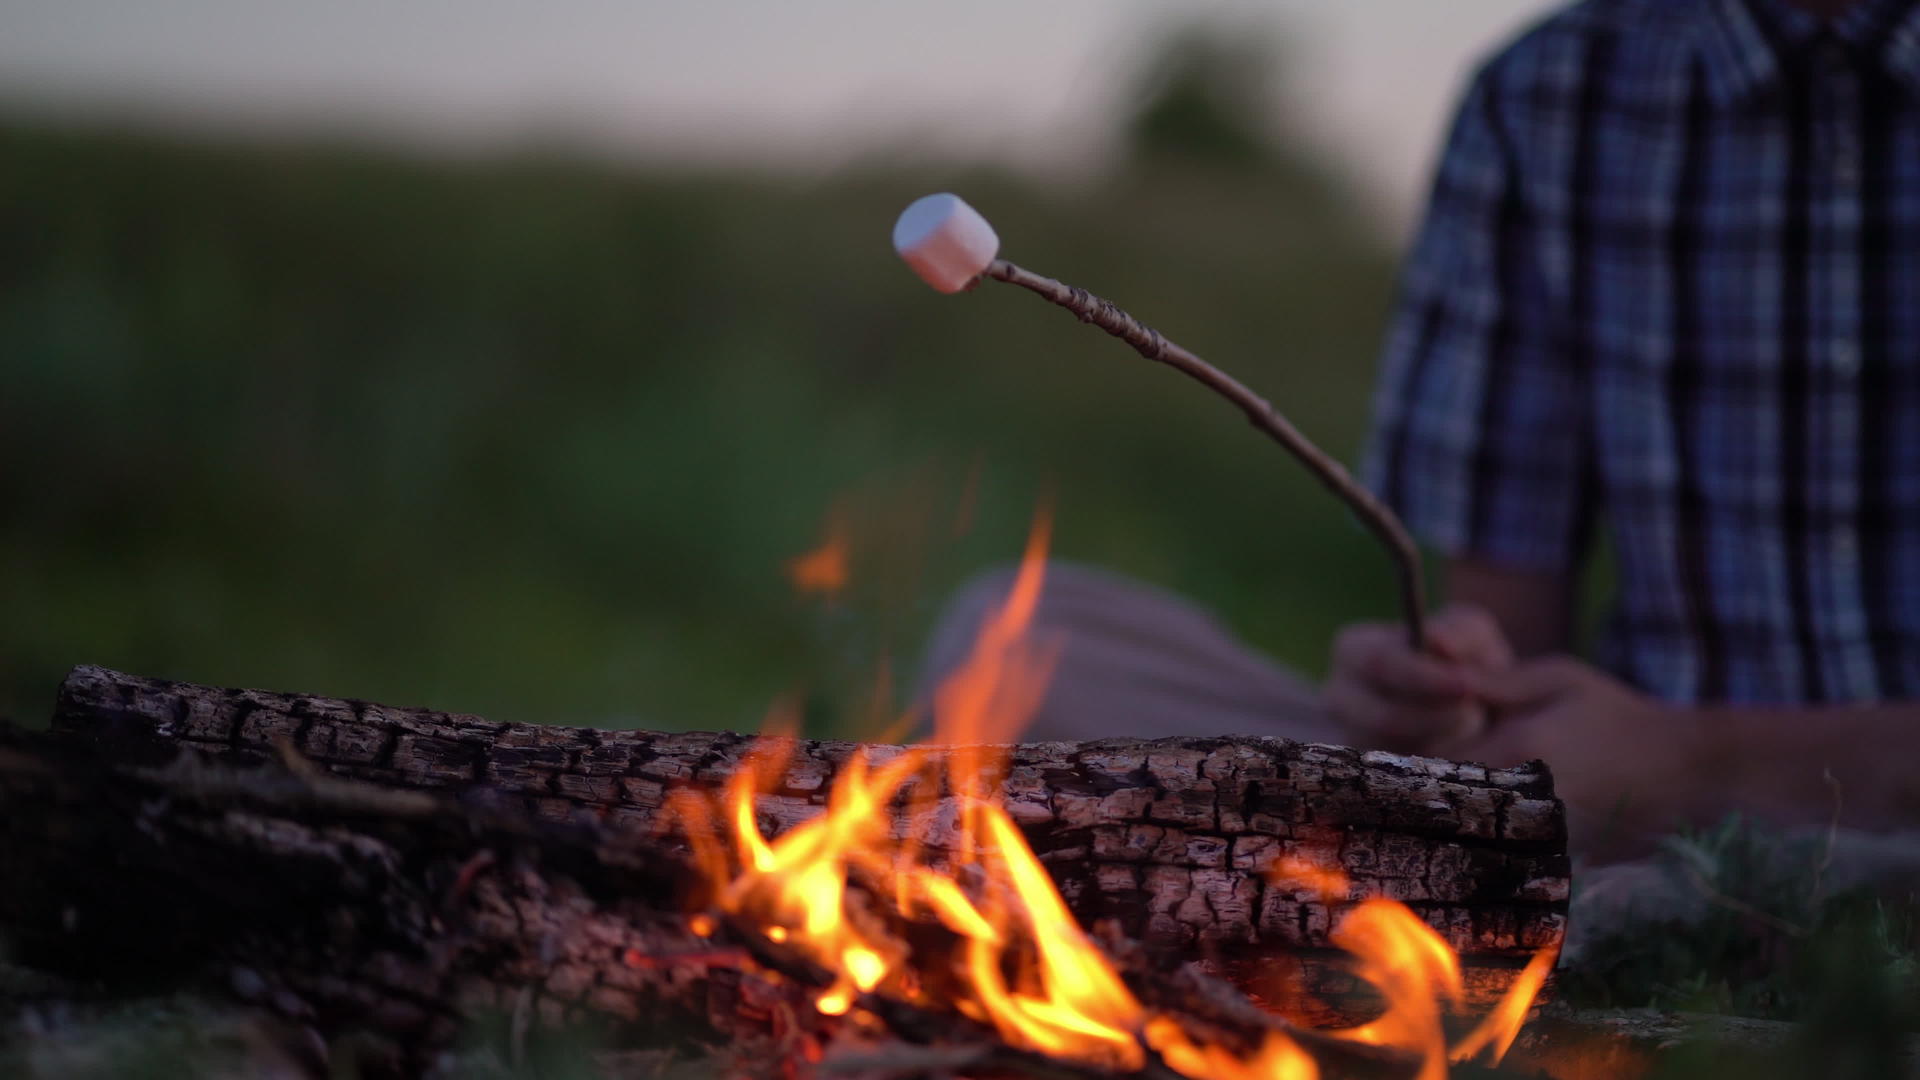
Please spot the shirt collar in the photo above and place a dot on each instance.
(1743, 42)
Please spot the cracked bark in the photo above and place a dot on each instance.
(1168, 839)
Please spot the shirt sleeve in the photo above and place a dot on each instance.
(1480, 417)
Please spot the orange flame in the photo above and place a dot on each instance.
(1024, 966)
(1416, 972)
(1501, 1026)
(990, 696)
(1074, 1004)
(1330, 883)
(824, 569)
(1279, 1058)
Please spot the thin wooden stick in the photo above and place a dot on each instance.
(1148, 342)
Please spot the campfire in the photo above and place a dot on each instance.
(853, 889)
(1216, 907)
(1200, 907)
(853, 895)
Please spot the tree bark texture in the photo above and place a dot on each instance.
(387, 922)
(347, 908)
(1169, 838)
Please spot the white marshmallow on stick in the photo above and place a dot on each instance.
(946, 241)
(950, 245)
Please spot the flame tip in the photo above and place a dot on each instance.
(1023, 965)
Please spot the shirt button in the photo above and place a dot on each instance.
(1845, 358)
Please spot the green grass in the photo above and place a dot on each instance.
(532, 437)
(1773, 944)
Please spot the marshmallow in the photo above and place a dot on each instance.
(946, 241)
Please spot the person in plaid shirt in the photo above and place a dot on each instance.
(1668, 291)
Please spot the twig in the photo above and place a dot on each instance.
(708, 958)
(329, 789)
(1833, 838)
(907, 1058)
(520, 1022)
(478, 863)
(1738, 906)
(1180, 992)
(1148, 342)
(303, 784)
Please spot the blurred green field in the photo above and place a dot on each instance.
(532, 437)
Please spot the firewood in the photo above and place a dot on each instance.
(398, 918)
(1167, 840)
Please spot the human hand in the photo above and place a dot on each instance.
(1620, 759)
(1385, 694)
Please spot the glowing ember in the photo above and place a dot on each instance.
(824, 569)
(1329, 882)
(1024, 966)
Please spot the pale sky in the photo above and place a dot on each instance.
(784, 83)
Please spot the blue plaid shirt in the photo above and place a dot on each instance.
(1669, 286)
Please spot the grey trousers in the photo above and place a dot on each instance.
(1136, 661)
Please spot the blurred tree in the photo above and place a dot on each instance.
(533, 437)
(1206, 97)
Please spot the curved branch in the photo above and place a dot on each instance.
(1148, 342)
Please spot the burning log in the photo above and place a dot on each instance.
(1166, 841)
(397, 916)
(926, 907)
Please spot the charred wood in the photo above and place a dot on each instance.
(1167, 840)
(401, 917)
